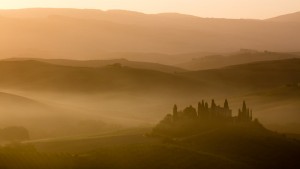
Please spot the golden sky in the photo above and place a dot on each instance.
(256, 9)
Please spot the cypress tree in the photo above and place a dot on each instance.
(206, 106)
(175, 112)
(213, 104)
(244, 107)
(226, 105)
(199, 109)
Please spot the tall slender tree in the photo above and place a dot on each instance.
(175, 112)
(226, 105)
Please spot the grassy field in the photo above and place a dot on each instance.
(234, 146)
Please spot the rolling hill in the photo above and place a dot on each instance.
(103, 63)
(254, 76)
(6, 98)
(241, 57)
(78, 76)
(35, 115)
(41, 76)
(247, 144)
(230, 146)
(95, 34)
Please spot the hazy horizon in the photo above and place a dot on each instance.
(232, 9)
(134, 36)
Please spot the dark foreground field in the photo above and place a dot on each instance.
(230, 146)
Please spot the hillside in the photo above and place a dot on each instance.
(86, 76)
(252, 76)
(128, 155)
(102, 63)
(241, 57)
(29, 113)
(45, 33)
(246, 145)
(232, 146)
(293, 17)
(40, 76)
(6, 98)
(239, 138)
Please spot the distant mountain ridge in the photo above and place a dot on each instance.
(92, 34)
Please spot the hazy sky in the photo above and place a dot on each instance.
(205, 8)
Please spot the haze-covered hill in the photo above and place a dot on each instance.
(247, 144)
(241, 57)
(12, 98)
(293, 17)
(40, 76)
(86, 76)
(94, 34)
(45, 117)
(253, 76)
(102, 63)
(231, 146)
(35, 115)
(118, 151)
